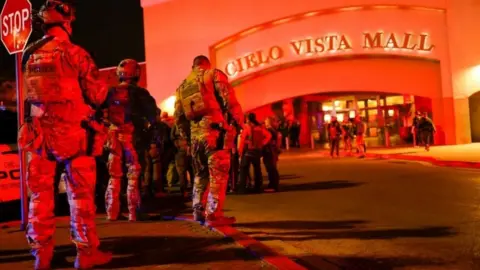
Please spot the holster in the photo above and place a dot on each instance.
(226, 138)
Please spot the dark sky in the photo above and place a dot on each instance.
(110, 30)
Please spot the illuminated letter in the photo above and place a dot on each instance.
(331, 44)
(239, 65)
(344, 44)
(319, 46)
(308, 43)
(231, 69)
(391, 42)
(297, 46)
(275, 52)
(263, 59)
(374, 42)
(423, 43)
(251, 61)
(406, 42)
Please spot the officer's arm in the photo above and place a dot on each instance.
(179, 115)
(267, 136)
(94, 88)
(227, 94)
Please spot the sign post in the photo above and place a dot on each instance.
(16, 28)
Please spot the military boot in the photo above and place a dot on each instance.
(43, 258)
(87, 259)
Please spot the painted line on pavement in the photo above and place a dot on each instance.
(258, 249)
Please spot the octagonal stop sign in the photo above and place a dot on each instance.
(16, 24)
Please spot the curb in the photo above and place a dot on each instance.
(434, 161)
(258, 249)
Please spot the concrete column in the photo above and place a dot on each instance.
(303, 118)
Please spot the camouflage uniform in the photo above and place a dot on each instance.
(129, 107)
(210, 135)
(183, 159)
(61, 81)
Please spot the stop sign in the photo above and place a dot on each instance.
(16, 24)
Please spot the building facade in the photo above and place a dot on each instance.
(380, 59)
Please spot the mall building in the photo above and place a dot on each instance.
(383, 59)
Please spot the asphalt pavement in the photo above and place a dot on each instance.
(350, 213)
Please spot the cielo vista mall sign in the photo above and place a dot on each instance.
(327, 45)
(314, 37)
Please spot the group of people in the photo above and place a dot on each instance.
(347, 131)
(72, 117)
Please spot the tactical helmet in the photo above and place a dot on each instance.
(56, 11)
(128, 69)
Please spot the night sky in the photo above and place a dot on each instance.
(110, 30)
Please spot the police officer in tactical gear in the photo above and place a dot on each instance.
(203, 100)
(63, 90)
(129, 107)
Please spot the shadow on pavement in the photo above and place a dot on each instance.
(144, 251)
(312, 230)
(334, 184)
(366, 263)
(302, 225)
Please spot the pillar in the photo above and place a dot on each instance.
(305, 128)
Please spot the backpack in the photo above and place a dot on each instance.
(197, 99)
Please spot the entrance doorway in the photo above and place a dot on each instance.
(388, 117)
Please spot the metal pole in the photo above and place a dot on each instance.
(23, 159)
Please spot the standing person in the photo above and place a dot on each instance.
(334, 135)
(271, 152)
(154, 174)
(253, 139)
(129, 107)
(183, 159)
(348, 134)
(415, 129)
(426, 129)
(62, 92)
(202, 101)
(360, 136)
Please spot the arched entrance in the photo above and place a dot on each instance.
(474, 104)
(355, 79)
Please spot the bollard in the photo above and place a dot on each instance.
(312, 141)
(287, 143)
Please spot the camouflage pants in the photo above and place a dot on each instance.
(121, 145)
(80, 189)
(183, 165)
(153, 174)
(211, 170)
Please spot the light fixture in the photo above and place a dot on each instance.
(391, 112)
(351, 114)
(168, 105)
(340, 117)
(327, 118)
